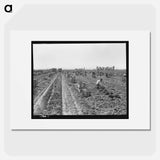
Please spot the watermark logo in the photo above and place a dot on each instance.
(8, 8)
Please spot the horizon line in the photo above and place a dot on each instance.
(73, 68)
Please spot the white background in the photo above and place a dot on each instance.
(20, 80)
(79, 145)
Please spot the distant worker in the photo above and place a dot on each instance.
(124, 75)
(78, 87)
(99, 83)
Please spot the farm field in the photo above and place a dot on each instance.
(74, 92)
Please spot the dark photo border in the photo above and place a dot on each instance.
(81, 116)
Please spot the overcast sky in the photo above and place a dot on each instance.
(71, 56)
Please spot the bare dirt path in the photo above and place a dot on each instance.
(70, 104)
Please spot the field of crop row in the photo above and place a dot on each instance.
(58, 94)
(110, 100)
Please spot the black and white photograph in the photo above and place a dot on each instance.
(79, 79)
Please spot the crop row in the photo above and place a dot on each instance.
(52, 101)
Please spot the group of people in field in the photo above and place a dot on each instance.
(81, 87)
